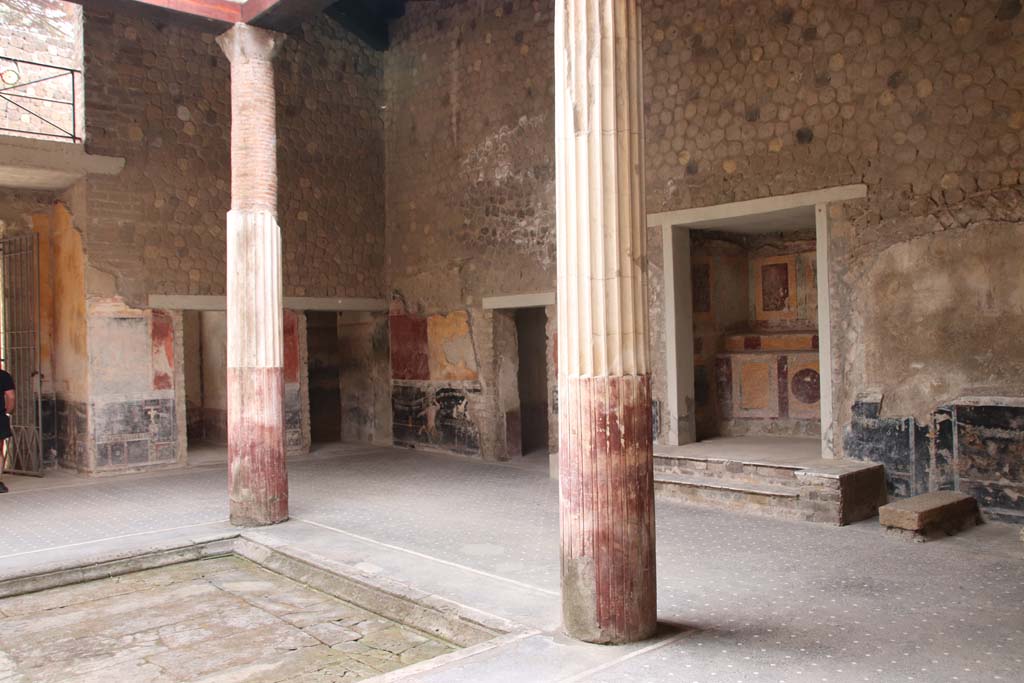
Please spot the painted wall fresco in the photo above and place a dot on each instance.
(162, 337)
(972, 444)
(450, 347)
(755, 343)
(434, 416)
(409, 350)
(132, 411)
(989, 455)
(435, 378)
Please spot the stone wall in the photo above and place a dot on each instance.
(18, 207)
(470, 195)
(363, 377)
(921, 102)
(158, 95)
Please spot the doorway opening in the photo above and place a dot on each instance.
(22, 452)
(782, 310)
(325, 413)
(755, 325)
(206, 391)
(532, 379)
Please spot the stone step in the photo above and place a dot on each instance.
(839, 497)
(728, 470)
(930, 515)
(760, 499)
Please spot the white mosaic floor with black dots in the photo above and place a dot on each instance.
(756, 599)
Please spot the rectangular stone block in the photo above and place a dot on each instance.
(947, 511)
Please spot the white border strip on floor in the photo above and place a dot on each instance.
(442, 661)
(615, 662)
(112, 538)
(449, 563)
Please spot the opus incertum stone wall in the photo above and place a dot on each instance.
(158, 95)
(471, 200)
(47, 32)
(922, 102)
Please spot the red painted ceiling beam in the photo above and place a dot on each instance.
(279, 15)
(215, 10)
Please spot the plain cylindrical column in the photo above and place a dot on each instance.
(257, 476)
(606, 474)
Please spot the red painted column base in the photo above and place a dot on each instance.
(606, 480)
(257, 477)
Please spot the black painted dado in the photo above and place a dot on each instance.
(977, 449)
(48, 422)
(72, 432)
(990, 456)
(889, 441)
(293, 418)
(135, 433)
(429, 416)
(943, 474)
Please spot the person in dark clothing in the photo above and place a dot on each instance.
(7, 394)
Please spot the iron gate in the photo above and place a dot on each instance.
(19, 346)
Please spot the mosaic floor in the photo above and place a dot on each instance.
(741, 598)
(213, 620)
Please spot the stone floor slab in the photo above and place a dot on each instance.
(212, 620)
(759, 599)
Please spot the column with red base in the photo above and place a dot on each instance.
(605, 454)
(257, 477)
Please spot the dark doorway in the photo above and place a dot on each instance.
(324, 376)
(533, 378)
(192, 323)
(206, 372)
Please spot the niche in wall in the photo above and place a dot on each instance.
(755, 333)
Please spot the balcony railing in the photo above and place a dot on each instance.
(44, 93)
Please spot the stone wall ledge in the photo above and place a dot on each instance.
(35, 164)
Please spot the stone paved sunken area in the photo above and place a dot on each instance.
(224, 618)
(740, 598)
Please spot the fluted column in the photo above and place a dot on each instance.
(257, 477)
(605, 453)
